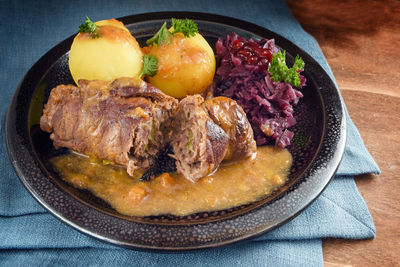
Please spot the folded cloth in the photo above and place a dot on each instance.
(31, 236)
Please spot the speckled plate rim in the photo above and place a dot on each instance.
(188, 237)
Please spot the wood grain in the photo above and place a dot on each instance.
(361, 42)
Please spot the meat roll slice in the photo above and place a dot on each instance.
(227, 114)
(119, 121)
(208, 132)
(199, 144)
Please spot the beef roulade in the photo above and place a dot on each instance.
(121, 121)
(207, 132)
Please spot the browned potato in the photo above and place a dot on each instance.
(115, 53)
(186, 66)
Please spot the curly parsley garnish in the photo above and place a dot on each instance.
(185, 26)
(89, 27)
(280, 71)
(149, 66)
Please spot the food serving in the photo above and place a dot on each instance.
(162, 144)
(104, 51)
(186, 62)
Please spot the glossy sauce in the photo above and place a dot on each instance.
(232, 185)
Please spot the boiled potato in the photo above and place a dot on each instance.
(115, 53)
(186, 66)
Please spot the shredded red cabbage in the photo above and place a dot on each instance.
(244, 77)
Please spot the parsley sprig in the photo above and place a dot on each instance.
(281, 72)
(89, 27)
(149, 66)
(185, 26)
(163, 35)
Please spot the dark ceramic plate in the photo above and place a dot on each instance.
(317, 149)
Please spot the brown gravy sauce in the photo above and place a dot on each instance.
(231, 185)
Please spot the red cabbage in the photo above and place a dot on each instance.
(268, 104)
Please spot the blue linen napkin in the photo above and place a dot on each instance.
(29, 235)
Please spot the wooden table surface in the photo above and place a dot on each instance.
(361, 42)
